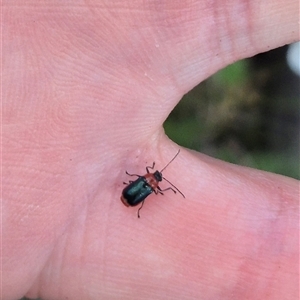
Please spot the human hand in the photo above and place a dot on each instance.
(87, 87)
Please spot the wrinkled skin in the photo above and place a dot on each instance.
(86, 88)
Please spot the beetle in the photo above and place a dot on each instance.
(137, 191)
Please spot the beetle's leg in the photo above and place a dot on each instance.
(132, 174)
(173, 187)
(130, 181)
(140, 209)
(158, 191)
(147, 168)
(169, 188)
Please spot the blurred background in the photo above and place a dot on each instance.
(247, 113)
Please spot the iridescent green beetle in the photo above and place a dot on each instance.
(137, 191)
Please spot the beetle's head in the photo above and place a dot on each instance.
(158, 175)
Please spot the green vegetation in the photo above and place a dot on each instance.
(242, 115)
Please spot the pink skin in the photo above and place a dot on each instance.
(86, 88)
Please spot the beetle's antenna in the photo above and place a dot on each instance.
(174, 186)
(170, 162)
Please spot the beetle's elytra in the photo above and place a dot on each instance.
(137, 191)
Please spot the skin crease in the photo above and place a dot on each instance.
(86, 88)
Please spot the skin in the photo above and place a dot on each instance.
(86, 88)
